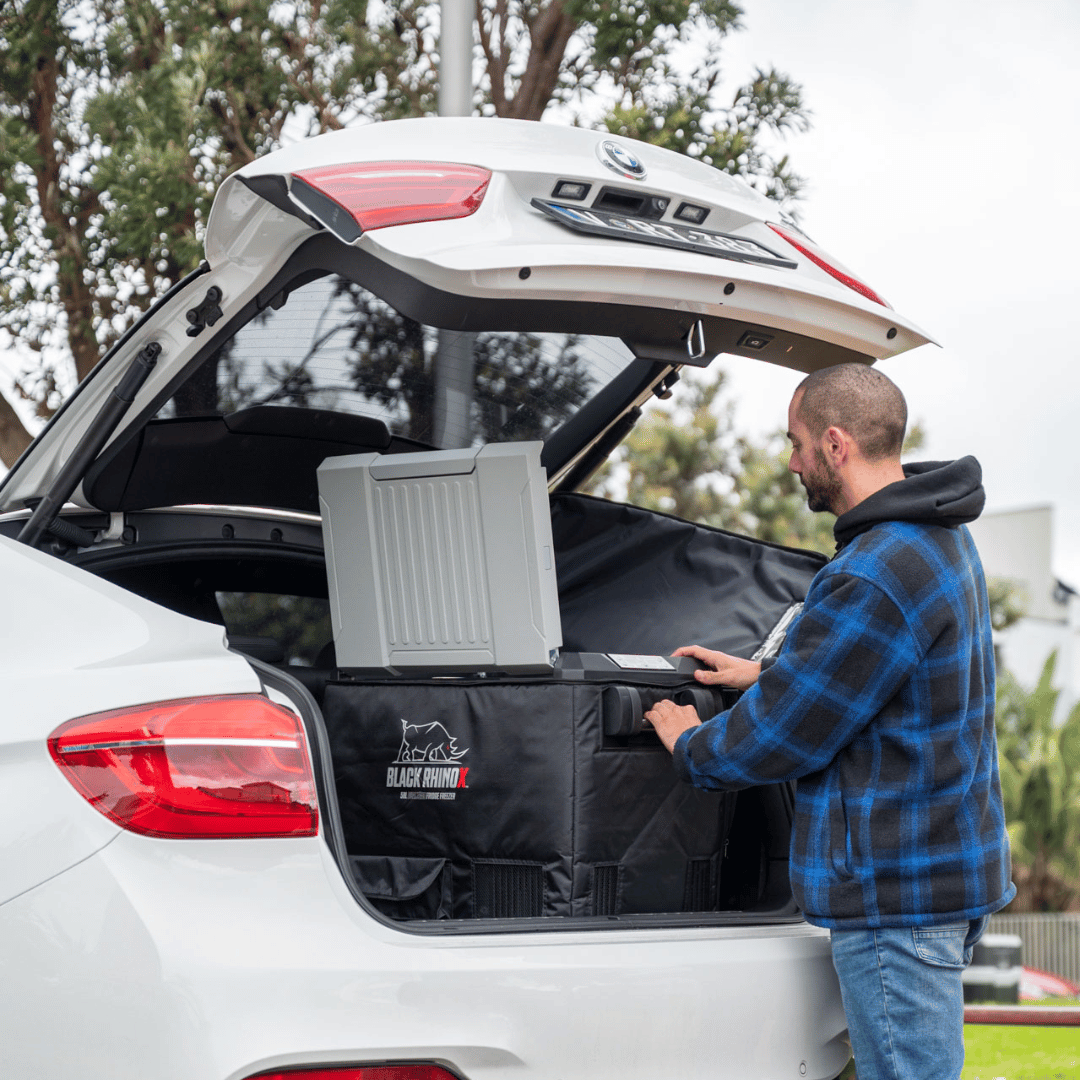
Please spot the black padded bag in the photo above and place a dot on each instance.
(514, 784)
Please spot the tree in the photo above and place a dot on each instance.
(1040, 785)
(119, 118)
(1008, 602)
(674, 457)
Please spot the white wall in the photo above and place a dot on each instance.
(1017, 545)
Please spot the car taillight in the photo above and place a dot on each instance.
(825, 261)
(380, 193)
(359, 1072)
(233, 766)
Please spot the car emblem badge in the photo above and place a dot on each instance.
(620, 160)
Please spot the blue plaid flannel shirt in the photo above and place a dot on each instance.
(881, 705)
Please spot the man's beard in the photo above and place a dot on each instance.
(823, 486)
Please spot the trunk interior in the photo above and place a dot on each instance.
(516, 802)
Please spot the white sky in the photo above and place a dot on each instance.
(942, 167)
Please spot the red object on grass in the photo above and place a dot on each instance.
(1035, 985)
(1027, 1015)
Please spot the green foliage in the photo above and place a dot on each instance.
(688, 460)
(1040, 785)
(680, 113)
(672, 461)
(1008, 602)
(772, 502)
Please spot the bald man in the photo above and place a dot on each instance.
(881, 704)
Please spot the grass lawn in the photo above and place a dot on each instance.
(996, 1051)
(1021, 1053)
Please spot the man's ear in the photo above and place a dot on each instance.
(837, 445)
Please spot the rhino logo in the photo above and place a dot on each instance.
(428, 742)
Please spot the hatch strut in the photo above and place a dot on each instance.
(45, 516)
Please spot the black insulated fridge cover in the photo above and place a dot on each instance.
(515, 786)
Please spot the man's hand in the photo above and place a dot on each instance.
(726, 670)
(671, 720)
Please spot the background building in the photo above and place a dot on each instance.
(1017, 545)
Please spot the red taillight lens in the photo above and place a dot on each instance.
(380, 193)
(203, 767)
(360, 1072)
(820, 258)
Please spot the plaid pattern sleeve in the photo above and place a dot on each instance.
(848, 654)
(881, 705)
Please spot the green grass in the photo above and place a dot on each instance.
(1017, 1052)
(1053, 1002)
(1021, 1053)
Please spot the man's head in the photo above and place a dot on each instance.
(846, 425)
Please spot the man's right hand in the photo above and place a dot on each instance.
(726, 670)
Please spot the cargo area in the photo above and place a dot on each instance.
(516, 801)
(541, 798)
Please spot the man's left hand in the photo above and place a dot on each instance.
(671, 720)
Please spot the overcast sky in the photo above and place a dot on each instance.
(942, 167)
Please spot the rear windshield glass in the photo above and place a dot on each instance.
(335, 345)
(299, 624)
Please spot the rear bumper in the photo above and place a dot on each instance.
(160, 960)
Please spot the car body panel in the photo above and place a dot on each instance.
(240, 957)
(107, 648)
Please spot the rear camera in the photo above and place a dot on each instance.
(570, 189)
(690, 212)
(753, 340)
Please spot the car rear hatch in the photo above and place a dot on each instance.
(485, 227)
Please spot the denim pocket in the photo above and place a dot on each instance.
(942, 946)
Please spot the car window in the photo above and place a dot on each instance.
(299, 624)
(336, 345)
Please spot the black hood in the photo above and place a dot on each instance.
(948, 493)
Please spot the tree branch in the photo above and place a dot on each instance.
(67, 238)
(549, 35)
(496, 59)
(14, 438)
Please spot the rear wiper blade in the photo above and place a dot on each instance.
(44, 519)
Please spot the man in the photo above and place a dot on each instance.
(881, 704)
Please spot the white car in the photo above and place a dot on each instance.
(229, 853)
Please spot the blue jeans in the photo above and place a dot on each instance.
(904, 999)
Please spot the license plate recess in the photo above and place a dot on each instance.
(671, 234)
